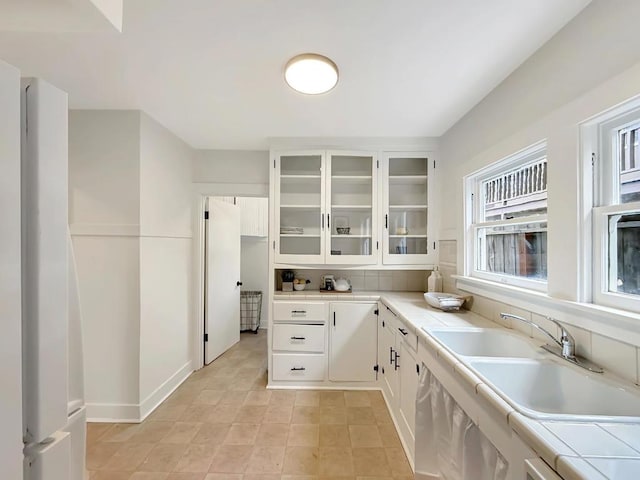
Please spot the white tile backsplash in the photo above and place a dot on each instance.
(614, 355)
(399, 281)
(363, 280)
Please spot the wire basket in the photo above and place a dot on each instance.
(250, 310)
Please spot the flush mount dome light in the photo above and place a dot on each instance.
(311, 73)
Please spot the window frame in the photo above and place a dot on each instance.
(473, 211)
(599, 142)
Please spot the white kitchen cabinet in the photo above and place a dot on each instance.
(387, 353)
(352, 342)
(325, 207)
(409, 375)
(408, 234)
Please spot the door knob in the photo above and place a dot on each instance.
(238, 284)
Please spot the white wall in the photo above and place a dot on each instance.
(104, 215)
(104, 176)
(589, 66)
(10, 280)
(130, 187)
(165, 255)
(231, 166)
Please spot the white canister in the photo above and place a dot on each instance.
(434, 282)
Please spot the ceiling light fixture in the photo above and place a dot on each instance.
(311, 73)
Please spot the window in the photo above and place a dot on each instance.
(616, 213)
(506, 212)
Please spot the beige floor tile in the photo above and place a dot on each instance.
(242, 434)
(128, 457)
(333, 415)
(389, 435)
(112, 476)
(370, 461)
(169, 411)
(303, 435)
(96, 430)
(307, 398)
(250, 414)
(365, 436)
(332, 399)
(305, 414)
(278, 413)
(336, 461)
(235, 398)
(272, 434)
(211, 433)
(149, 476)
(151, 432)
(163, 458)
(99, 454)
(197, 413)
(182, 432)
(224, 413)
(258, 398)
(196, 458)
(357, 399)
(185, 476)
(231, 459)
(334, 436)
(209, 397)
(360, 416)
(398, 461)
(282, 397)
(301, 461)
(225, 424)
(223, 476)
(266, 460)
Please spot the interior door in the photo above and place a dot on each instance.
(222, 307)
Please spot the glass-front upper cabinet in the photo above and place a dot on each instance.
(351, 198)
(299, 207)
(406, 228)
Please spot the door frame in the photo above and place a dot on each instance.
(199, 199)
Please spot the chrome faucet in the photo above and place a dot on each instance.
(563, 348)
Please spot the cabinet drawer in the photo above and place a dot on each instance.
(298, 367)
(299, 312)
(298, 338)
(408, 335)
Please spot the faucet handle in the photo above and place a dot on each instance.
(566, 339)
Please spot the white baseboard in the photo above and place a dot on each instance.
(159, 395)
(113, 413)
(136, 413)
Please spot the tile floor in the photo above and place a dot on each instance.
(223, 424)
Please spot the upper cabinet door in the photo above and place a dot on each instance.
(351, 182)
(407, 238)
(299, 207)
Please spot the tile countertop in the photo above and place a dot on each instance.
(576, 451)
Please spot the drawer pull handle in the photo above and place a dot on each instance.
(397, 365)
(403, 331)
(297, 369)
(298, 338)
(298, 312)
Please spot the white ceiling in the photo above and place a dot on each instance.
(212, 70)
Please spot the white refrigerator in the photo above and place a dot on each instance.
(53, 412)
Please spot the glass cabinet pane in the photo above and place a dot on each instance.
(351, 210)
(408, 206)
(300, 204)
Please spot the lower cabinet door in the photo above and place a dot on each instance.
(353, 342)
(298, 367)
(409, 376)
